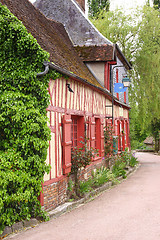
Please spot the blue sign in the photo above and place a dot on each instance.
(119, 88)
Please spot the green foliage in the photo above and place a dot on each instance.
(118, 168)
(98, 178)
(147, 74)
(96, 6)
(119, 28)
(23, 122)
(102, 176)
(155, 129)
(81, 157)
(156, 4)
(132, 160)
(86, 186)
(108, 141)
(137, 35)
(122, 161)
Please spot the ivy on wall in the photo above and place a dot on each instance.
(24, 134)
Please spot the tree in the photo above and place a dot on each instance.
(96, 6)
(156, 4)
(139, 39)
(119, 28)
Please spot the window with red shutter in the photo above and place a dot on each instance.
(117, 81)
(67, 143)
(74, 132)
(77, 131)
(99, 136)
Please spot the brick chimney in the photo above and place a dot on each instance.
(81, 3)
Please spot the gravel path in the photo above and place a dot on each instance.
(128, 211)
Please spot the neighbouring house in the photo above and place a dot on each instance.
(80, 104)
(149, 142)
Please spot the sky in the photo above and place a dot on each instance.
(125, 4)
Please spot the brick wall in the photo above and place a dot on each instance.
(55, 194)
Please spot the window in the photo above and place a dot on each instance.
(74, 132)
(97, 133)
(77, 131)
(99, 136)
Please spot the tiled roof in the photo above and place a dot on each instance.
(52, 37)
(79, 28)
(88, 41)
(96, 53)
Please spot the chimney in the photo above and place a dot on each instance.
(81, 3)
(84, 6)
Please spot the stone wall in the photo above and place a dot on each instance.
(55, 194)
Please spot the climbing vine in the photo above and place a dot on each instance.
(23, 123)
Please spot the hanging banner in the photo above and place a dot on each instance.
(119, 88)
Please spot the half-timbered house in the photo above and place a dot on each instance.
(78, 102)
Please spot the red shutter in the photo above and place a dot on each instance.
(119, 137)
(117, 82)
(125, 97)
(123, 136)
(116, 127)
(67, 143)
(102, 137)
(127, 136)
(92, 132)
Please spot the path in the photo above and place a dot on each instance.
(129, 211)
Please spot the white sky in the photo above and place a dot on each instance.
(125, 4)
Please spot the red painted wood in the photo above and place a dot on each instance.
(117, 82)
(98, 90)
(81, 129)
(67, 143)
(105, 74)
(66, 96)
(59, 146)
(92, 131)
(108, 77)
(41, 197)
(127, 135)
(53, 180)
(116, 127)
(102, 136)
(56, 157)
(123, 136)
(125, 97)
(118, 134)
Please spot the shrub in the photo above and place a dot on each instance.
(122, 161)
(81, 157)
(23, 122)
(86, 186)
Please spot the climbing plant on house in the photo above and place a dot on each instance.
(24, 133)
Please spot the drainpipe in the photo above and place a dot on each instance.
(46, 64)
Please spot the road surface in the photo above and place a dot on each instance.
(128, 211)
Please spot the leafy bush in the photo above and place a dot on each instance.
(122, 161)
(98, 178)
(81, 157)
(102, 176)
(133, 160)
(23, 122)
(86, 186)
